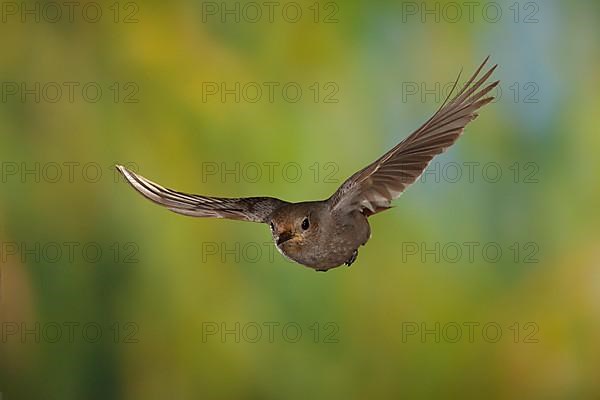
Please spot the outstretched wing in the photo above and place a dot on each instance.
(255, 209)
(372, 189)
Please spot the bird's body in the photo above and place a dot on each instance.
(331, 239)
(326, 234)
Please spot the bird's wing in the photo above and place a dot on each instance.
(255, 209)
(372, 189)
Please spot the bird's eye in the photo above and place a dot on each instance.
(305, 223)
(272, 227)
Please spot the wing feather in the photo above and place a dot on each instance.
(372, 189)
(255, 209)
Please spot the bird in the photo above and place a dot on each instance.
(326, 234)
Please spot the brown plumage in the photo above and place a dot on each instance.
(326, 234)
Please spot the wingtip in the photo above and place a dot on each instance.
(485, 61)
(121, 169)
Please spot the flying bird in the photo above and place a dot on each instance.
(326, 234)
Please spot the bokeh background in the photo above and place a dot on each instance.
(172, 306)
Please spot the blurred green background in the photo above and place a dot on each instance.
(164, 306)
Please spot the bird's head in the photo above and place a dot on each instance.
(294, 225)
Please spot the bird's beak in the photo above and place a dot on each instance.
(284, 237)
